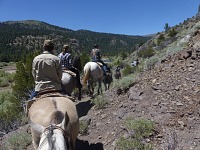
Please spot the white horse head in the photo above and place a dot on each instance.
(52, 137)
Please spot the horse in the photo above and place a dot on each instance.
(117, 75)
(69, 82)
(107, 80)
(54, 123)
(93, 72)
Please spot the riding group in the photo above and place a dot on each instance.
(52, 114)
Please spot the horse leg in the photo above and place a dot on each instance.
(105, 86)
(79, 93)
(99, 87)
(89, 85)
(92, 92)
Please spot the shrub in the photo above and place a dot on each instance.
(100, 102)
(127, 70)
(172, 32)
(18, 141)
(5, 78)
(83, 127)
(10, 77)
(123, 55)
(124, 83)
(4, 82)
(150, 63)
(146, 53)
(9, 106)
(160, 39)
(141, 129)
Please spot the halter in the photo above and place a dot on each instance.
(49, 130)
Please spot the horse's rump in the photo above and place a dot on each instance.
(92, 70)
(68, 82)
(117, 75)
(41, 110)
(52, 110)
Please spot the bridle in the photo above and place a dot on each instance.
(49, 132)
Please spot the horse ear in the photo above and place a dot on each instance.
(65, 121)
(39, 129)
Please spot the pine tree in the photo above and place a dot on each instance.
(24, 82)
(166, 27)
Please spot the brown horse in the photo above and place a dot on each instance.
(54, 123)
(117, 75)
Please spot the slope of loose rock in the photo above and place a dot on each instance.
(169, 95)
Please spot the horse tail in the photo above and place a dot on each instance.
(87, 74)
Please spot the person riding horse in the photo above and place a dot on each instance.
(46, 71)
(67, 64)
(96, 57)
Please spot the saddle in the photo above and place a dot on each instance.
(42, 95)
(70, 73)
(100, 64)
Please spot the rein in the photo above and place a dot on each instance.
(49, 132)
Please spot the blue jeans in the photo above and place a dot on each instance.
(33, 94)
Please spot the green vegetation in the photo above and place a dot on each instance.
(140, 129)
(128, 70)
(24, 81)
(11, 112)
(160, 39)
(146, 53)
(172, 33)
(166, 27)
(125, 82)
(9, 107)
(5, 78)
(18, 141)
(18, 38)
(100, 101)
(83, 127)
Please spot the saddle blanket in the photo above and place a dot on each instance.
(70, 72)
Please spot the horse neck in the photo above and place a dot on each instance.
(55, 141)
(77, 63)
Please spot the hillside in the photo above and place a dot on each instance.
(20, 37)
(168, 95)
(166, 91)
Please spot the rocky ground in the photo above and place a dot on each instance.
(169, 95)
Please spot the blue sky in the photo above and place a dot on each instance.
(130, 17)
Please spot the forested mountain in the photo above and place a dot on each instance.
(17, 38)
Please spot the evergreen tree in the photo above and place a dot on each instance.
(23, 79)
(84, 59)
(166, 27)
(199, 10)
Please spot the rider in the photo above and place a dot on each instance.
(46, 70)
(66, 61)
(96, 57)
